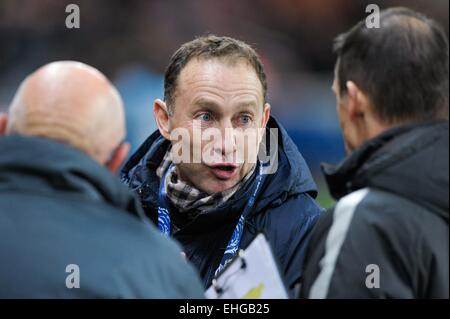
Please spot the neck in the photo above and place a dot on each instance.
(375, 127)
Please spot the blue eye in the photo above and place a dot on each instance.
(245, 119)
(205, 117)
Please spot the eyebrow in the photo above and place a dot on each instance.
(245, 104)
(207, 104)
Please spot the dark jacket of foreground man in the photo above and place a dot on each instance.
(58, 208)
(387, 237)
(284, 210)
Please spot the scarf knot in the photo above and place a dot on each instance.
(188, 199)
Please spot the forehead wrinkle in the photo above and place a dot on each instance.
(227, 86)
(215, 88)
(213, 72)
(210, 95)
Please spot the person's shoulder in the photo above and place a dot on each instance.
(164, 264)
(384, 212)
(388, 205)
(134, 236)
(298, 206)
(293, 219)
(154, 264)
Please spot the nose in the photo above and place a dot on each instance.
(228, 138)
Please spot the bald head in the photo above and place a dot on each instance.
(73, 103)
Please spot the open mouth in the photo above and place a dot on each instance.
(224, 171)
(226, 167)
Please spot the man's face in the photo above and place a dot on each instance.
(218, 96)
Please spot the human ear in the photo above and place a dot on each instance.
(162, 118)
(3, 123)
(354, 107)
(118, 157)
(266, 115)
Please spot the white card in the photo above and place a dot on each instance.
(251, 275)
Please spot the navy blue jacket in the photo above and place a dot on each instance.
(285, 210)
(58, 207)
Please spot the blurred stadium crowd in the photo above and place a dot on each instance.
(131, 42)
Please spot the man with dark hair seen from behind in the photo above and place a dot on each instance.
(68, 227)
(387, 236)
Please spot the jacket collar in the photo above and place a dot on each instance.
(41, 165)
(391, 160)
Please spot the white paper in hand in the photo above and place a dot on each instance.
(252, 275)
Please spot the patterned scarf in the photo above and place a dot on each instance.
(188, 199)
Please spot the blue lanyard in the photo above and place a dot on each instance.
(164, 222)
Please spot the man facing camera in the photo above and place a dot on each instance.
(200, 177)
(68, 227)
(387, 236)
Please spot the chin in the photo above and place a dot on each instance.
(217, 187)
